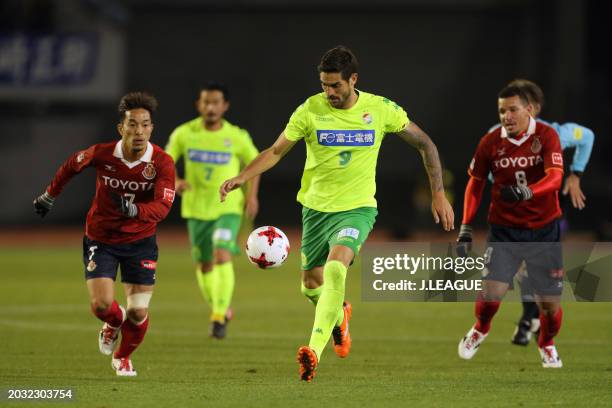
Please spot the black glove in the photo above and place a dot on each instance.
(516, 193)
(43, 203)
(124, 205)
(464, 241)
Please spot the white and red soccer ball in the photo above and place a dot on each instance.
(267, 247)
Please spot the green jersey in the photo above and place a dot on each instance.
(342, 148)
(211, 157)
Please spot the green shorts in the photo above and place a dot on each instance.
(205, 236)
(323, 230)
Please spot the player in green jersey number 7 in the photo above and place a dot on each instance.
(213, 149)
(343, 129)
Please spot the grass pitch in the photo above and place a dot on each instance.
(404, 354)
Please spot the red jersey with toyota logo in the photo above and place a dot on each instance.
(521, 160)
(148, 183)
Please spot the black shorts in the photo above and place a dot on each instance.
(539, 248)
(137, 259)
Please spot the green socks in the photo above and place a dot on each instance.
(314, 294)
(205, 282)
(329, 305)
(217, 287)
(222, 290)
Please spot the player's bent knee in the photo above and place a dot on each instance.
(137, 315)
(549, 308)
(222, 256)
(138, 306)
(205, 267)
(493, 291)
(310, 283)
(313, 278)
(491, 297)
(100, 305)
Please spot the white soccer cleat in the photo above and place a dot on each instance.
(550, 357)
(468, 346)
(123, 367)
(107, 339)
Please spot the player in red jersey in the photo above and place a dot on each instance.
(525, 159)
(134, 191)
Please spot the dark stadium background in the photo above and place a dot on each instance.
(443, 61)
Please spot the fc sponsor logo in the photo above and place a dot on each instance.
(346, 137)
(557, 159)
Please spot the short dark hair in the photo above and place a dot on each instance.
(215, 86)
(339, 59)
(135, 100)
(512, 90)
(533, 91)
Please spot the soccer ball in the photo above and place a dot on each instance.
(267, 247)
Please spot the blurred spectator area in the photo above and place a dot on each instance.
(443, 61)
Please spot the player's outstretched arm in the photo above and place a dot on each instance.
(251, 200)
(440, 207)
(262, 163)
(71, 167)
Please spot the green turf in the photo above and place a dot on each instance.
(404, 354)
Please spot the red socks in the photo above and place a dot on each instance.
(131, 337)
(484, 314)
(549, 327)
(112, 316)
(549, 324)
(131, 333)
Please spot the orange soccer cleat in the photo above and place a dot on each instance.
(341, 335)
(308, 363)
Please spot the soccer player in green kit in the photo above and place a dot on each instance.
(343, 129)
(213, 150)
